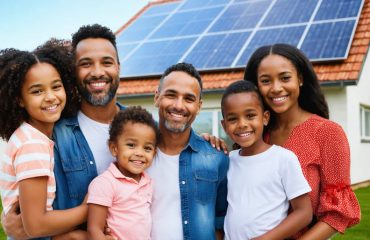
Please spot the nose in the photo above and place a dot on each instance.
(276, 86)
(179, 103)
(50, 96)
(97, 71)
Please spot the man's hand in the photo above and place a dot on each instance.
(12, 223)
(216, 142)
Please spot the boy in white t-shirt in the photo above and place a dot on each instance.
(263, 180)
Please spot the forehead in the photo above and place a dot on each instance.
(274, 61)
(95, 48)
(40, 72)
(181, 82)
(242, 101)
(137, 130)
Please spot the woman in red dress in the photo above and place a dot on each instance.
(299, 122)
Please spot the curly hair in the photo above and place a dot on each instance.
(182, 67)
(14, 65)
(311, 97)
(133, 114)
(94, 31)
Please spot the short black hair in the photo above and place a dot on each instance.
(133, 114)
(14, 65)
(182, 67)
(241, 86)
(94, 31)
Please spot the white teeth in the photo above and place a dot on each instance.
(244, 134)
(177, 115)
(98, 84)
(279, 99)
(52, 107)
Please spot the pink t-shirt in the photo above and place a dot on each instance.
(28, 154)
(128, 203)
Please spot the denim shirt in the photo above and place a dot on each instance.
(203, 189)
(74, 167)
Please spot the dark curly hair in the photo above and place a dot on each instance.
(311, 97)
(133, 114)
(182, 67)
(94, 31)
(14, 64)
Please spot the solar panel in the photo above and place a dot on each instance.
(155, 57)
(328, 40)
(290, 35)
(240, 16)
(187, 23)
(217, 51)
(299, 11)
(214, 34)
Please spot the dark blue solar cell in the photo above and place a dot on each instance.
(155, 57)
(187, 23)
(328, 40)
(289, 35)
(164, 8)
(217, 51)
(241, 16)
(290, 11)
(333, 9)
(194, 4)
(124, 50)
(140, 29)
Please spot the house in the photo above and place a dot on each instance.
(344, 80)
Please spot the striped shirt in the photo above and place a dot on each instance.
(28, 154)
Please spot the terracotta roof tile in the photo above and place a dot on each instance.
(346, 70)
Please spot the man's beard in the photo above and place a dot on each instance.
(91, 98)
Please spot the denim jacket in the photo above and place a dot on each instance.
(203, 189)
(74, 167)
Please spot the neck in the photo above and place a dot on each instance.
(102, 114)
(292, 118)
(45, 128)
(173, 143)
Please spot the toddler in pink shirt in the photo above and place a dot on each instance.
(121, 196)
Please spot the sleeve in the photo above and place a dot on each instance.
(33, 159)
(338, 205)
(101, 192)
(221, 201)
(295, 184)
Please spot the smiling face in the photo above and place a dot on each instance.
(279, 82)
(97, 70)
(244, 120)
(43, 96)
(134, 149)
(178, 101)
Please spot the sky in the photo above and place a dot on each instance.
(25, 24)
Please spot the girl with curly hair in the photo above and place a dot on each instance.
(36, 89)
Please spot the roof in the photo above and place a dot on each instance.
(341, 72)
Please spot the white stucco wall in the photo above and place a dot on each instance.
(360, 151)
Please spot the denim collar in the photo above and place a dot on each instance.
(73, 121)
(194, 141)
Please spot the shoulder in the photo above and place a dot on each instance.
(282, 152)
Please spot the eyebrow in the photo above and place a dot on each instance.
(40, 85)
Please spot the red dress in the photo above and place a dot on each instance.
(323, 151)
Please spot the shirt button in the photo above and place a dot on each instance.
(91, 162)
(182, 182)
(185, 222)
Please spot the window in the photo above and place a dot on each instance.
(365, 123)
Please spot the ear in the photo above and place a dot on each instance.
(266, 117)
(113, 148)
(300, 80)
(223, 125)
(20, 102)
(199, 105)
(156, 98)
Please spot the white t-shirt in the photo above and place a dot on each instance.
(166, 205)
(259, 190)
(97, 135)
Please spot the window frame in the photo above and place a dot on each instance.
(364, 110)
